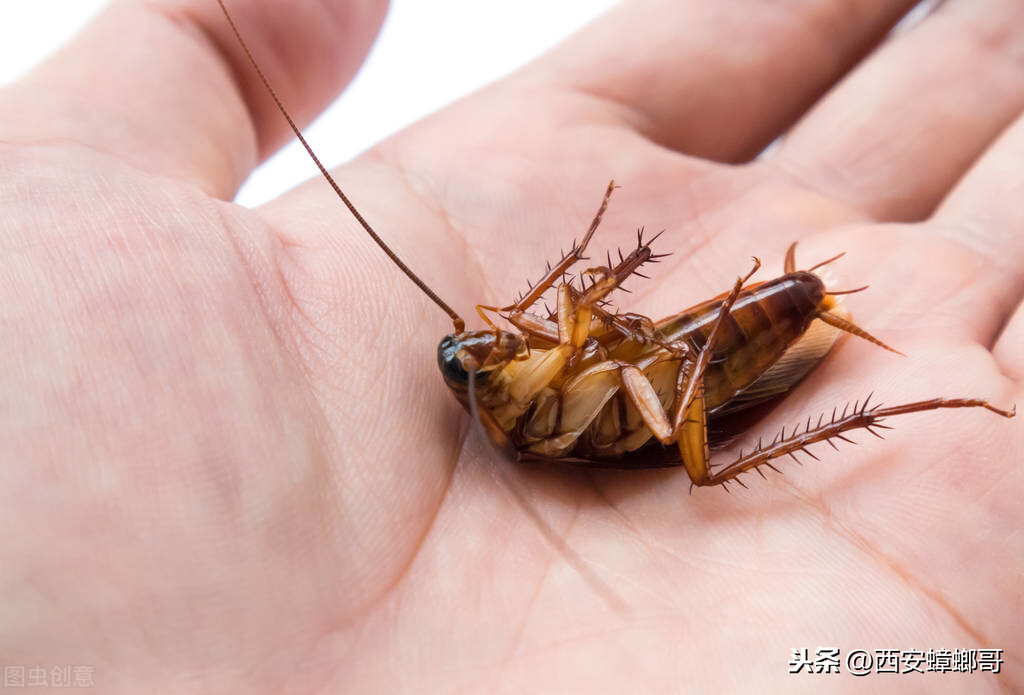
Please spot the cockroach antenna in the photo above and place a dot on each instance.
(460, 325)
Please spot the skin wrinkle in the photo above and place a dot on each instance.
(405, 570)
(413, 604)
(270, 54)
(591, 635)
(183, 22)
(273, 322)
(233, 74)
(517, 634)
(308, 321)
(884, 562)
(53, 143)
(697, 216)
(515, 638)
(990, 263)
(1008, 371)
(632, 116)
(991, 40)
(547, 647)
(333, 446)
(303, 323)
(967, 232)
(989, 51)
(651, 547)
(998, 326)
(441, 213)
(800, 174)
(391, 589)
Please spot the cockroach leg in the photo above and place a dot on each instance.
(570, 318)
(690, 434)
(576, 309)
(685, 392)
(568, 260)
(612, 276)
(536, 375)
(535, 326)
(573, 331)
(688, 401)
(481, 308)
(861, 418)
(546, 329)
(645, 399)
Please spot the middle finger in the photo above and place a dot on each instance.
(895, 136)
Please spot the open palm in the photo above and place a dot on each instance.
(229, 462)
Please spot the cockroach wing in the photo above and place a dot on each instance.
(794, 364)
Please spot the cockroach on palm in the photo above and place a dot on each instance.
(585, 385)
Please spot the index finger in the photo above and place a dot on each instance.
(718, 80)
(162, 86)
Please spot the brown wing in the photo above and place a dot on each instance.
(796, 362)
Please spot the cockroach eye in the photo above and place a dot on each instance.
(448, 360)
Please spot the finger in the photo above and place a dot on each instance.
(163, 85)
(961, 275)
(713, 80)
(1009, 348)
(896, 135)
(985, 207)
(984, 215)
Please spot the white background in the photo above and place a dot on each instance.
(447, 47)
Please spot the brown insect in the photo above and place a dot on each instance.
(585, 385)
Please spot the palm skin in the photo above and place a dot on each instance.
(230, 464)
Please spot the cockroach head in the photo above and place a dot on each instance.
(479, 351)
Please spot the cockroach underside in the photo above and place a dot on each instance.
(585, 385)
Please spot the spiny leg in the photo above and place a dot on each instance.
(691, 435)
(616, 327)
(861, 417)
(570, 322)
(688, 428)
(535, 326)
(553, 273)
(568, 260)
(587, 303)
(691, 379)
(613, 275)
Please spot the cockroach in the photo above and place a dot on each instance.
(588, 386)
(585, 385)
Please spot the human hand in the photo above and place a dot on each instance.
(229, 462)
